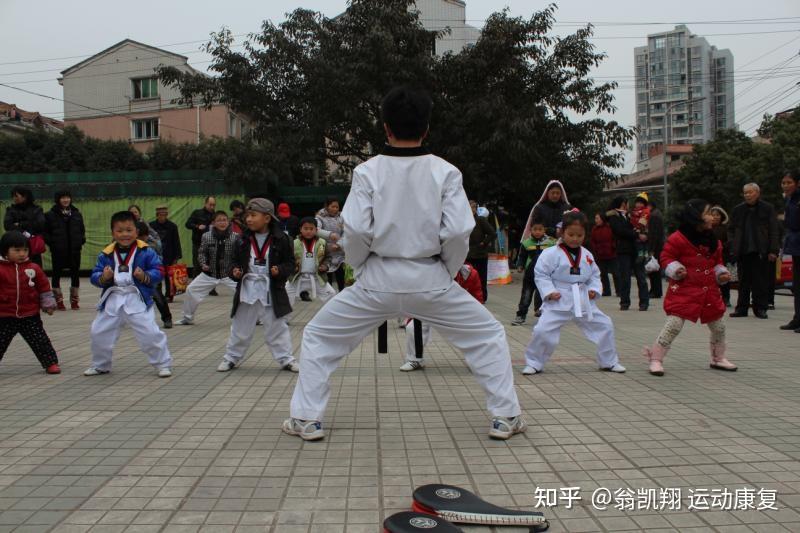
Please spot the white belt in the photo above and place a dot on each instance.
(578, 290)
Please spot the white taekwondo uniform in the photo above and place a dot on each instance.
(553, 275)
(407, 225)
(308, 278)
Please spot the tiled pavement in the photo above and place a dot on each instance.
(203, 451)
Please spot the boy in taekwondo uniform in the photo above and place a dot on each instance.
(407, 225)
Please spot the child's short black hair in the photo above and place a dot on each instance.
(122, 216)
(61, 194)
(308, 220)
(142, 228)
(12, 239)
(236, 204)
(219, 213)
(407, 112)
(538, 221)
(574, 217)
(330, 199)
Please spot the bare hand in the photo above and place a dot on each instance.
(642, 237)
(334, 237)
(201, 227)
(592, 295)
(139, 274)
(724, 278)
(680, 273)
(323, 268)
(236, 273)
(108, 274)
(335, 247)
(555, 296)
(520, 269)
(274, 271)
(206, 268)
(772, 258)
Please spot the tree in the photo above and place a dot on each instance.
(502, 109)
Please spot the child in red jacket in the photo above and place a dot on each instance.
(24, 289)
(470, 281)
(692, 261)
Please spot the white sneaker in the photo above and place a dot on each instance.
(504, 428)
(529, 371)
(226, 366)
(410, 366)
(92, 371)
(305, 429)
(292, 367)
(618, 368)
(185, 322)
(165, 373)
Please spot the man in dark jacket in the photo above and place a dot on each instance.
(655, 243)
(791, 243)
(481, 238)
(200, 222)
(171, 251)
(753, 237)
(627, 263)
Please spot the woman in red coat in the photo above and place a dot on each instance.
(692, 262)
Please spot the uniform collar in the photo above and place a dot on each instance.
(110, 248)
(394, 151)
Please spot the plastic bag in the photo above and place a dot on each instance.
(652, 265)
(178, 279)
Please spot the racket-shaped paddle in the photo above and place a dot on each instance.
(460, 506)
(412, 522)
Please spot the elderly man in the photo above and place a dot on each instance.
(753, 237)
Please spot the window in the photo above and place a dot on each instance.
(145, 88)
(232, 125)
(659, 42)
(144, 129)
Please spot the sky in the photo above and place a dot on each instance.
(42, 37)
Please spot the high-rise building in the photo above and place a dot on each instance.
(684, 91)
(440, 14)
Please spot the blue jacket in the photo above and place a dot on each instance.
(146, 259)
(791, 221)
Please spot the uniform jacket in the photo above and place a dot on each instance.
(64, 234)
(697, 296)
(553, 275)
(217, 251)
(17, 298)
(602, 242)
(319, 257)
(279, 255)
(766, 229)
(791, 222)
(407, 222)
(146, 258)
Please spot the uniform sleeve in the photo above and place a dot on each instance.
(457, 224)
(543, 274)
(358, 222)
(595, 284)
(97, 271)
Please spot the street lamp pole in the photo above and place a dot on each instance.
(668, 128)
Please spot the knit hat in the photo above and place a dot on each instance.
(261, 205)
(643, 197)
(284, 211)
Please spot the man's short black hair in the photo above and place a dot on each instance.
(236, 204)
(12, 239)
(122, 216)
(219, 213)
(407, 112)
(308, 220)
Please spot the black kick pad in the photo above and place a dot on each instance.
(463, 507)
(410, 522)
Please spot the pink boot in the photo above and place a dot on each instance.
(718, 359)
(655, 355)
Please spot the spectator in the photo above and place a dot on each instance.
(719, 225)
(200, 222)
(550, 208)
(27, 218)
(237, 217)
(625, 239)
(65, 234)
(171, 251)
(791, 243)
(288, 222)
(604, 250)
(655, 244)
(330, 226)
(753, 237)
(481, 238)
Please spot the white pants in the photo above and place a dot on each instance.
(276, 334)
(324, 293)
(546, 334)
(198, 290)
(411, 348)
(340, 326)
(105, 332)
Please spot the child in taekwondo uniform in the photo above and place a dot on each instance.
(261, 265)
(311, 264)
(405, 266)
(128, 271)
(568, 278)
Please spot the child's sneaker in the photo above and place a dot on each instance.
(618, 368)
(410, 366)
(292, 367)
(226, 366)
(185, 322)
(92, 371)
(165, 373)
(529, 371)
(168, 323)
(53, 369)
(504, 428)
(518, 321)
(305, 429)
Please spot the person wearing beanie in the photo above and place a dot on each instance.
(261, 265)
(288, 222)
(692, 261)
(626, 239)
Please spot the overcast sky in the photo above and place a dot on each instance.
(39, 38)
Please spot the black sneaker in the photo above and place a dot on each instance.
(213, 292)
(792, 325)
(624, 307)
(168, 323)
(305, 297)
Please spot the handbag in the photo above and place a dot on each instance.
(36, 245)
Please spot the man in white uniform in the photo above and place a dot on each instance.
(407, 225)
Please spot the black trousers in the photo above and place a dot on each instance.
(608, 267)
(726, 293)
(481, 264)
(32, 330)
(68, 261)
(161, 303)
(338, 277)
(656, 289)
(771, 281)
(754, 272)
(529, 292)
(631, 265)
(796, 286)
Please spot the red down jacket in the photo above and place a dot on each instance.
(697, 296)
(17, 298)
(470, 280)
